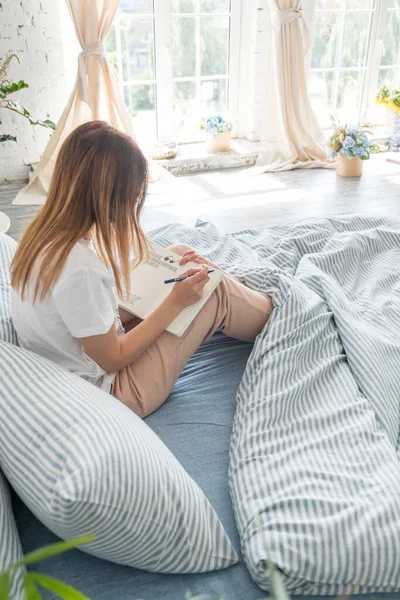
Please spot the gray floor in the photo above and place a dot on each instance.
(233, 199)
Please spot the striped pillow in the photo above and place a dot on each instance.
(10, 546)
(84, 463)
(7, 249)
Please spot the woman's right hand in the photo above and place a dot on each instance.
(190, 290)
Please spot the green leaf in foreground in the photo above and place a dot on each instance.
(4, 585)
(53, 550)
(30, 589)
(7, 138)
(64, 591)
(278, 591)
(24, 112)
(9, 87)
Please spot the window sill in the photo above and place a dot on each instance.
(194, 157)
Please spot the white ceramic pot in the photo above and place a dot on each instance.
(349, 167)
(220, 143)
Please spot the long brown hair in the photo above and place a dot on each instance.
(98, 186)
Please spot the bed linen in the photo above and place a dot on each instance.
(275, 260)
(314, 469)
(196, 424)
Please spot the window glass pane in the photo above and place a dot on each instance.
(183, 6)
(184, 94)
(111, 47)
(214, 45)
(320, 87)
(355, 39)
(214, 6)
(137, 48)
(331, 4)
(377, 114)
(391, 39)
(214, 95)
(365, 4)
(350, 85)
(140, 100)
(183, 46)
(136, 6)
(394, 3)
(389, 77)
(325, 39)
(186, 117)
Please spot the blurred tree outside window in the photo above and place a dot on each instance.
(198, 36)
(355, 50)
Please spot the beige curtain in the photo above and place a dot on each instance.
(95, 94)
(291, 136)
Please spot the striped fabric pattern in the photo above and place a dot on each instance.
(314, 470)
(84, 463)
(10, 546)
(7, 249)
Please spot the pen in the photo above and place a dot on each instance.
(183, 277)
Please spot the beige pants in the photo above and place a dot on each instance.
(234, 309)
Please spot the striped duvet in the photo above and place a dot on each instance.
(314, 470)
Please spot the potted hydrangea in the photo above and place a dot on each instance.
(218, 133)
(351, 145)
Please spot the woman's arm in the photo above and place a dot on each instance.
(113, 352)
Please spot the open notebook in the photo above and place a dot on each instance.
(148, 289)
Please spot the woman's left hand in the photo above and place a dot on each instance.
(192, 256)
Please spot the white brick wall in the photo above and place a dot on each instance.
(32, 28)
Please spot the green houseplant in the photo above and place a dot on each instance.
(33, 581)
(8, 87)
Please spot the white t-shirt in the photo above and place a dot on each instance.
(82, 303)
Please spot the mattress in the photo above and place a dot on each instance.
(196, 424)
(196, 421)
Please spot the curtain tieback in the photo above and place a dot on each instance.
(284, 16)
(97, 49)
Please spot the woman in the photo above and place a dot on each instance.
(77, 250)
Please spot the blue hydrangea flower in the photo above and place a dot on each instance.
(356, 143)
(216, 124)
(348, 143)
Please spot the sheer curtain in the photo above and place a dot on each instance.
(290, 135)
(95, 94)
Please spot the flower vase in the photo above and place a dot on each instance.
(219, 143)
(349, 167)
(394, 138)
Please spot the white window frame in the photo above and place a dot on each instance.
(375, 49)
(162, 27)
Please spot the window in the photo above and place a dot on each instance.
(389, 72)
(355, 49)
(176, 60)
